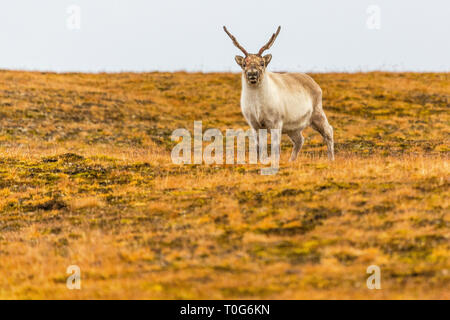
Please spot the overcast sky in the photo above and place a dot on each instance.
(146, 35)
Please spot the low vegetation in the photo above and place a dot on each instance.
(86, 179)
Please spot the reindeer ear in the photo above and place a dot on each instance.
(267, 59)
(239, 60)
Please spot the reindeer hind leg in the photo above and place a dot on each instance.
(319, 122)
(298, 140)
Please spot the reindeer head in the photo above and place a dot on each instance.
(254, 65)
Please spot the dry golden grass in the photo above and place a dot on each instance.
(86, 178)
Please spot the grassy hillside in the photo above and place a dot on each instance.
(86, 179)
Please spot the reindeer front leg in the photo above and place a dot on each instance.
(255, 133)
(275, 147)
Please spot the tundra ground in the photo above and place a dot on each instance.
(86, 179)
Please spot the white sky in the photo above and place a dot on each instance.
(147, 35)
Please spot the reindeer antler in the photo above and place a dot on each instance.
(270, 43)
(235, 41)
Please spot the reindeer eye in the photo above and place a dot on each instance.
(262, 63)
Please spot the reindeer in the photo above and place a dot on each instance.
(286, 101)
